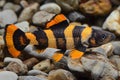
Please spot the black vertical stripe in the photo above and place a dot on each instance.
(42, 39)
(77, 36)
(58, 31)
(16, 40)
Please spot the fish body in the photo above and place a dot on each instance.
(59, 34)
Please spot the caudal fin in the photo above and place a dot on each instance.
(15, 40)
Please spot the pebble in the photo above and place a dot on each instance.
(8, 75)
(31, 78)
(108, 78)
(2, 2)
(99, 66)
(95, 7)
(2, 43)
(44, 66)
(106, 49)
(31, 62)
(112, 21)
(76, 16)
(68, 5)
(18, 68)
(12, 6)
(24, 3)
(33, 28)
(36, 72)
(115, 59)
(116, 46)
(41, 17)
(75, 65)
(24, 26)
(9, 59)
(60, 74)
(51, 8)
(2, 31)
(28, 12)
(7, 19)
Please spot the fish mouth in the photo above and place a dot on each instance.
(113, 37)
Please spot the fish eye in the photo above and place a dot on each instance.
(103, 36)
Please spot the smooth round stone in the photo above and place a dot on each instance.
(42, 17)
(24, 26)
(2, 31)
(24, 3)
(68, 5)
(7, 17)
(116, 45)
(2, 2)
(51, 8)
(115, 59)
(8, 75)
(106, 49)
(18, 68)
(34, 78)
(75, 65)
(33, 28)
(76, 16)
(12, 6)
(9, 59)
(44, 66)
(60, 74)
(28, 12)
(112, 21)
(36, 72)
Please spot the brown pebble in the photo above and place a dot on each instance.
(31, 62)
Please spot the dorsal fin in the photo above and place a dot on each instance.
(57, 20)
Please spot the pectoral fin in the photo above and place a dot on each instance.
(75, 54)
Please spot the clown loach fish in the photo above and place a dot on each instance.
(59, 34)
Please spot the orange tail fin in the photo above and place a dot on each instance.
(15, 40)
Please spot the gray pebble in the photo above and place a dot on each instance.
(42, 17)
(51, 8)
(7, 17)
(34, 78)
(28, 12)
(68, 5)
(11, 6)
(36, 72)
(76, 16)
(8, 75)
(116, 45)
(9, 59)
(18, 68)
(2, 2)
(24, 3)
(24, 26)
